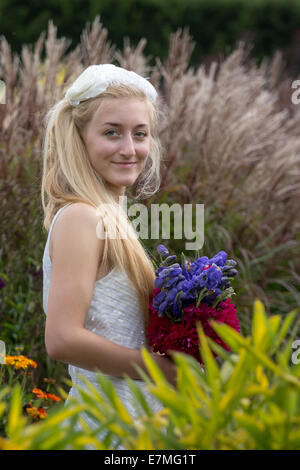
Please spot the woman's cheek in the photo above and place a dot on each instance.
(145, 150)
(107, 147)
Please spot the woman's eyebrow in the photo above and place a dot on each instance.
(117, 124)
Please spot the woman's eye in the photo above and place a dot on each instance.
(141, 134)
(111, 132)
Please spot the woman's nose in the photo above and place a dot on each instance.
(127, 146)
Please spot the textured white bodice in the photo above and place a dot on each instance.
(115, 314)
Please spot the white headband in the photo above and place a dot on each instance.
(96, 78)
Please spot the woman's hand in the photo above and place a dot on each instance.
(167, 366)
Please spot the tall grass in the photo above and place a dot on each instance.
(231, 142)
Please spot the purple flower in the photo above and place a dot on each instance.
(172, 295)
(2, 283)
(177, 309)
(169, 260)
(170, 282)
(219, 259)
(210, 298)
(198, 265)
(162, 250)
(162, 308)
(158, 282)
(159, 298)
(212, 277)
(182, 284)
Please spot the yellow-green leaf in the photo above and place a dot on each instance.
(153, 369)
(260, 327)
(15, 420)
(211, 367)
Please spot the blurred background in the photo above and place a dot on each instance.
(224, 69)
(215, 25)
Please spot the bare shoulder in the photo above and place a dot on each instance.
(76, 216)
(78, 212)
(75, 242)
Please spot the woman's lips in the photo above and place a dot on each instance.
(129, 164)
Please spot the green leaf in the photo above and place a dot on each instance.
(15, 421)
(212, 370)
(172, 400)
(274, 323)
(114, 398)
(231, 337)
(236, 383)
(60, 416)
(153, 369)
(255, 428)
(228, 333)
(285, 327)
(260, 327)
(139, 396)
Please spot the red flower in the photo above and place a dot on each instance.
(164, 335)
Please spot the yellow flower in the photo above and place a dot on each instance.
(20, 362)
(35, 413)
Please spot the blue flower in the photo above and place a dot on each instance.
(199, 281)
(170, 282)
(210, 298)
(162, 250)
(171, 296)
(159, 298)
(219, 259)
(169, 260)
(177, 309)
(162, 309)
(198, 265)
(211, 277)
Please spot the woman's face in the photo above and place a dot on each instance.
(117, 140)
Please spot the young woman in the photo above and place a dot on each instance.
(100, 139)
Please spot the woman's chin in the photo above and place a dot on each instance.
(126, 182)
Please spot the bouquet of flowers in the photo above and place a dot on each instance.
(185, 294)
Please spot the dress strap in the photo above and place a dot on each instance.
(55, 217)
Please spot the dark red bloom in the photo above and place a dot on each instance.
(164, 335)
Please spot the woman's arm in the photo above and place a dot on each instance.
(75, 259)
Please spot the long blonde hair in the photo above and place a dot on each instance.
(69, 177)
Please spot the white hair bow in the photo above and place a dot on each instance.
(96, 78)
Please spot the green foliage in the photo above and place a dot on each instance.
(251, 401)
(215, 25)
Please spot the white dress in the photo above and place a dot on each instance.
(115, 314)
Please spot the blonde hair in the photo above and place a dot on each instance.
(69, 177)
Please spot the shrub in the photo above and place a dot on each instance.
(250, 401)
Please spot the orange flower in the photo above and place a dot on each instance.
(49, 381)
(40, 394)
(23, 372)
(53, 397)
(20, 362)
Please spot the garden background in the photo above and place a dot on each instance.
(231, 137)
